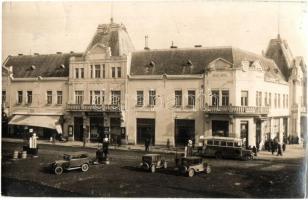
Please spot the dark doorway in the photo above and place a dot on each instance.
(184, 130)
(244, 132)
(285, 130)
(115, 129)
(220, 128)
(96, 128)
(145, 129)
(78, 128)
(258, 132)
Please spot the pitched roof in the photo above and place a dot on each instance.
(50, 65)
(195, 61)
(114, 36)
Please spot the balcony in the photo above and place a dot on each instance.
(241, 110)
(94, 107)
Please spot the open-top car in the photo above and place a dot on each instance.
(191, 165)
(153, 161)
(76, 160)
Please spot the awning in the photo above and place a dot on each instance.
(51, 122)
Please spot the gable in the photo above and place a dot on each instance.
(98, 51)
(220, 64)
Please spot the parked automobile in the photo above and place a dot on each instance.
(224, 147)
(72, 161)
(191, 165)
(152, 162)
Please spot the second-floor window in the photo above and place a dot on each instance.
(104, 71)
(113, 72)
(191, 97)
(79, 97)
(49, 97)
(81, 72)
(265, 99)
(76, 73)
(59, 97)
(97, 71)
(225, 97)
(91, 71)
(275, 101)
(283, 101)
(140, 98)
(152, 97)
(278, 100)
(97, 97)
(29, 97)
(19, 97)
(3, 97)
(258, 98)
(215, 97)
(244, 98)
(119, 72)
(115, 97)
(270, 99)
(287, 101)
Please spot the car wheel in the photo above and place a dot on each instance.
(218, 155)
(58, 170)
(191, 173)
(208, 169)
(84, 167)
(165, 165)
(153, 168)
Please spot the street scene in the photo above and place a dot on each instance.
(143, 99)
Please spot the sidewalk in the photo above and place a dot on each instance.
(153, 149)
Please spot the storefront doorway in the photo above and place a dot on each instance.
(145, 129)
(184, 130)
(244, 132)
(78, 128)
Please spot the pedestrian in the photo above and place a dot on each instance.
(254, 150)
(284, 147)
(273, 148)
(279, 151)
(146, 144)
(105, 146)
(189, 147)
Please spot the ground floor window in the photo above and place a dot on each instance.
(145, 130)
(184, 131)
(220, 128)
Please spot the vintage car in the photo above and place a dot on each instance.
(152, 162)
(191, 165)
(76, 160)
(223, 147)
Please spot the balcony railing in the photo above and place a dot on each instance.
(94, 107)
(237, 110)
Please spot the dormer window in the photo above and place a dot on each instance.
(149, 68)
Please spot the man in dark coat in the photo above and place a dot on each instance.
(279, 150)
(147, 144)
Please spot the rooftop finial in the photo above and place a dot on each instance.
(146, 47)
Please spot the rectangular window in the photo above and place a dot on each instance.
(115, 97)
(275, 101)
(81, 72)
(104, 71)
(113, 72)
(258, 98)
(270, 99)
(287, 101)
(139, 98)
(29, 97)
(225, 97)
(265, 99)
(97, 71)
(79, 97)
(152, 97)
(278, 100)
(283, 101)
(59, 97)
(91, 71)
(215, 97)
(19, 97)
(191, 97)
(178, 98)
(119, 72)
(244, 98)
(3, 97)
(49, 97)
(76, 73)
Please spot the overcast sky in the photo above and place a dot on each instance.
(48, 27)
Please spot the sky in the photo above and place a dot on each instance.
(49, 27)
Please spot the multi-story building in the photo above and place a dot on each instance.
(35, 92)
(223, 91)
(97, 84)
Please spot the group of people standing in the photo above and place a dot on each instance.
(272, 145)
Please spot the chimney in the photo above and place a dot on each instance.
(172, 46)
(198, 45)
(36, 54)
(71, 52)
(20, 54)
(59, 52)
(146, 43)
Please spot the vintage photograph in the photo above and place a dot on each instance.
(166, 99)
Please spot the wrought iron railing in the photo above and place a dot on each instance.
(237, 109)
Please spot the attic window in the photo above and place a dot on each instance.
(33, 67)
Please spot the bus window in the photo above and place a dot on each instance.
(237, 144)
(216, 142)
(222, 143)
(210, 142)
(230, 144)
